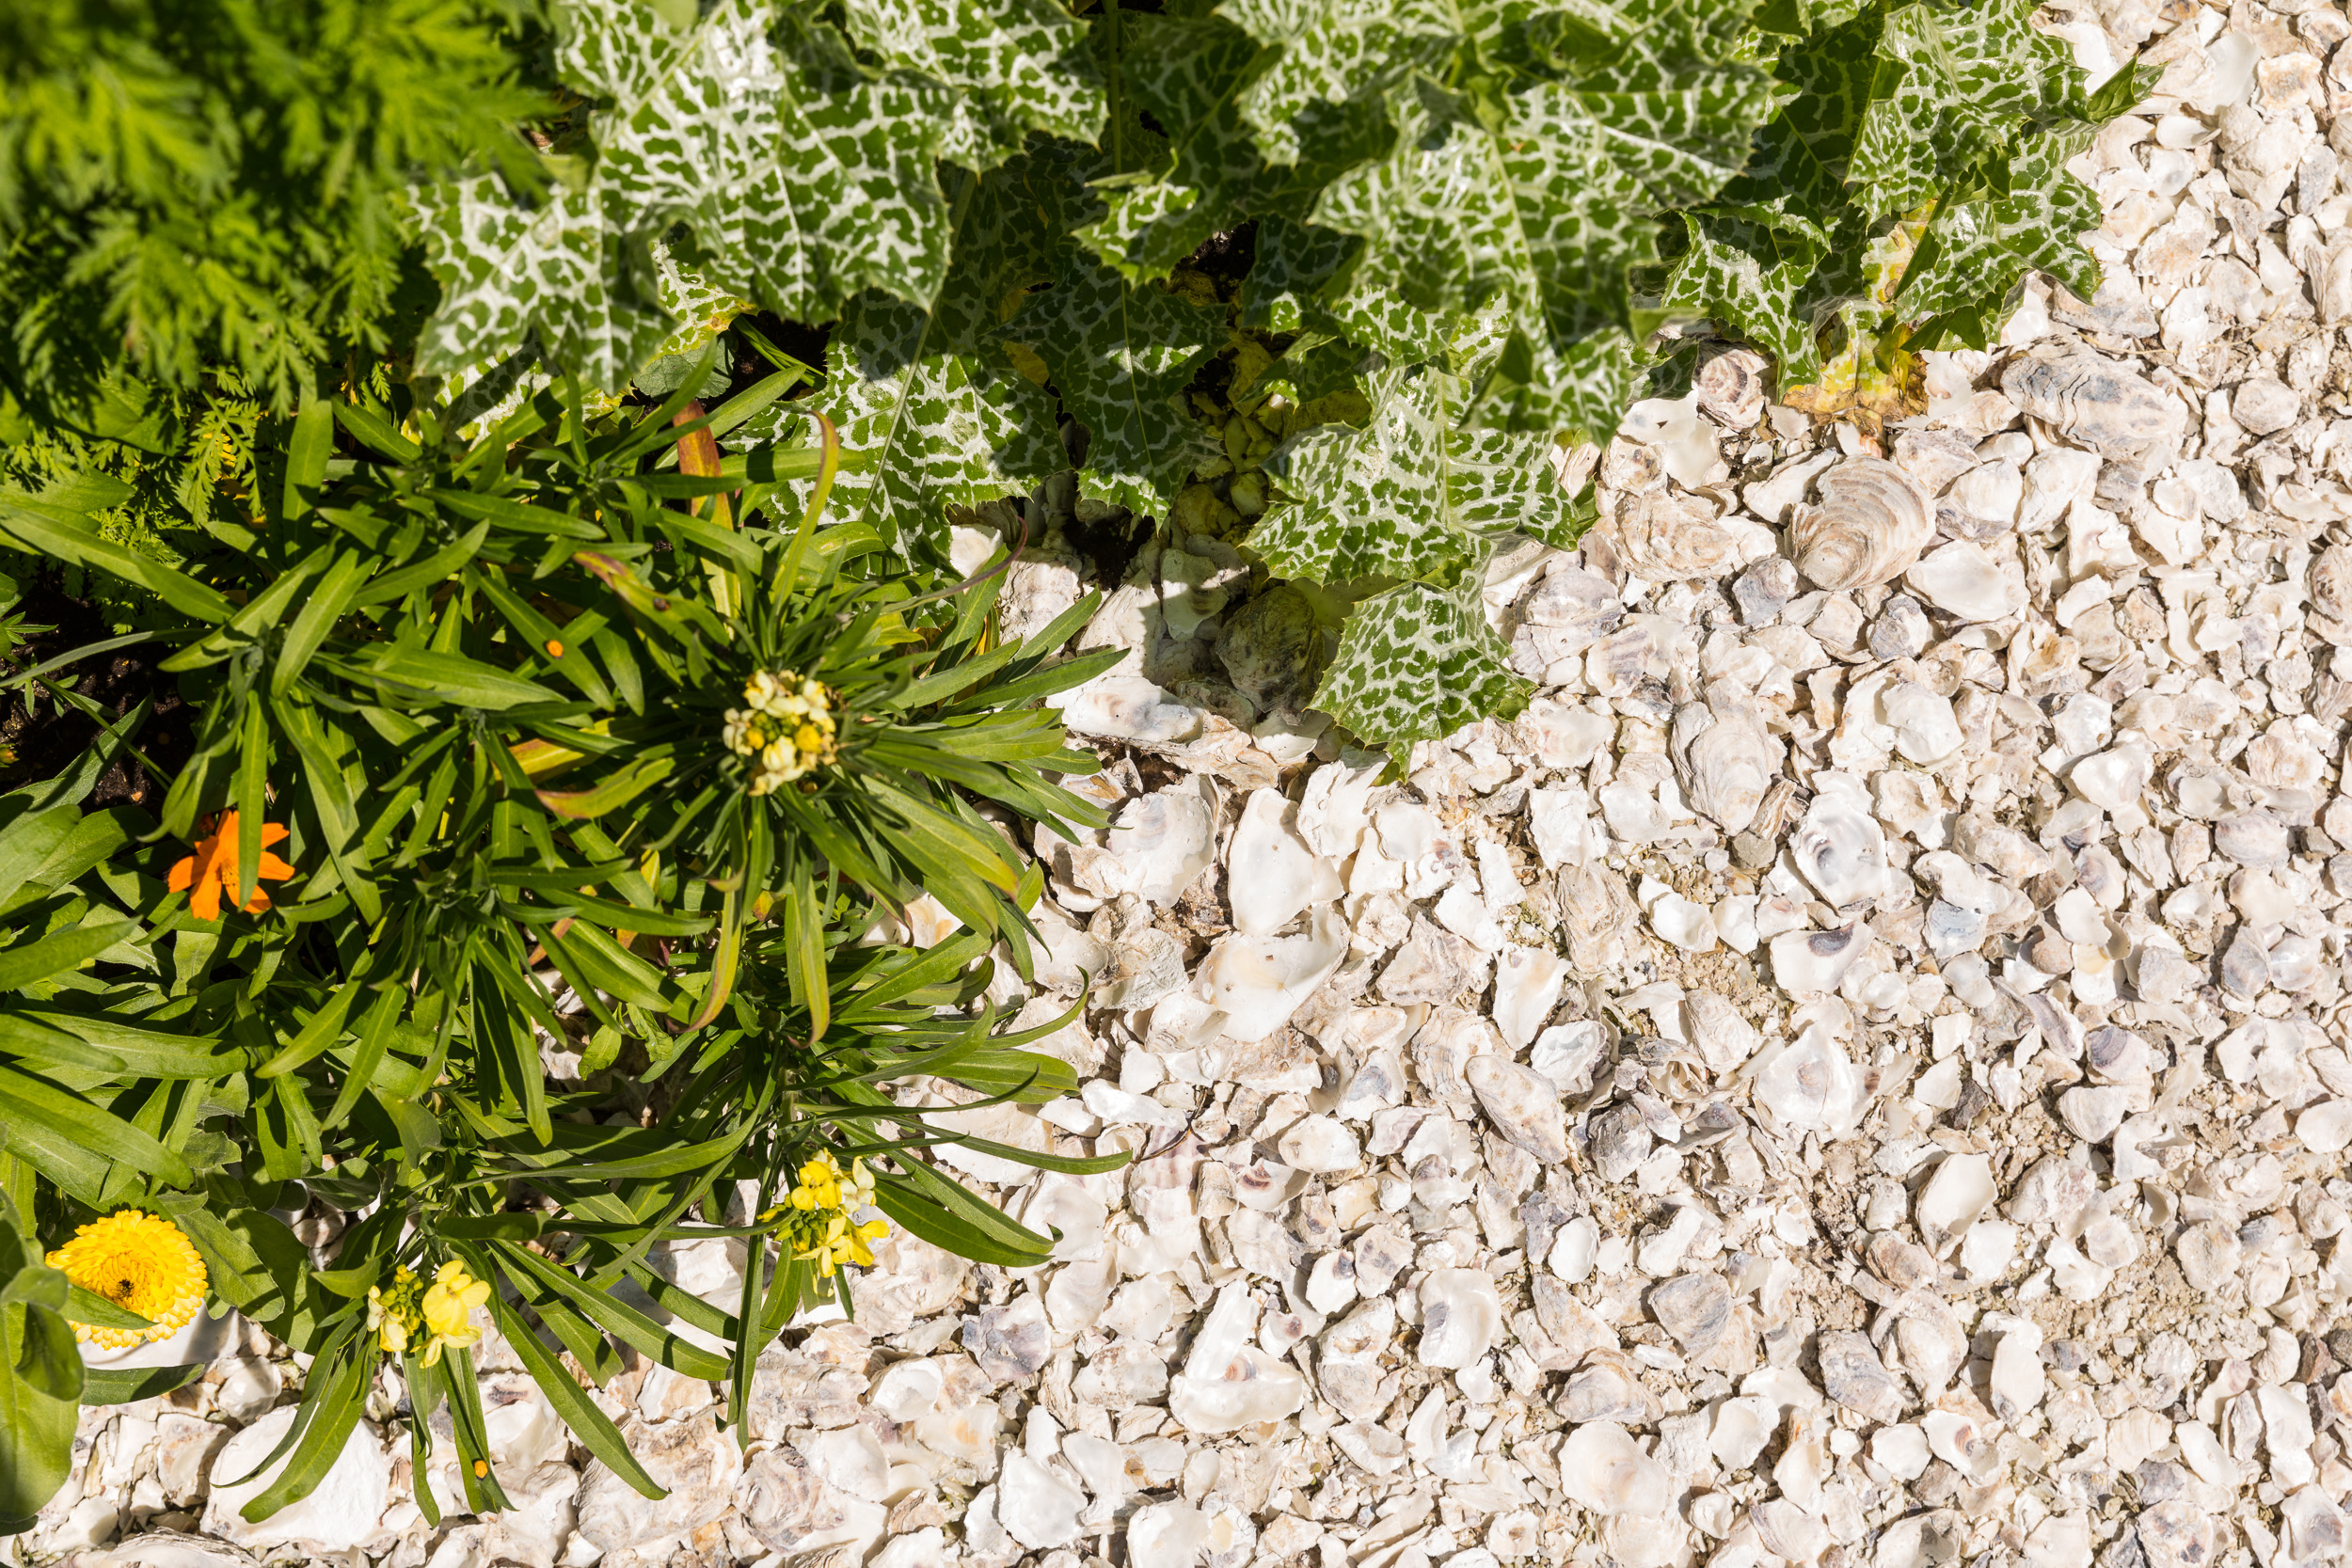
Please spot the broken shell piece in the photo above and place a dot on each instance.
(1812, 961)
(1320, 1145)
(1840, 849)
(1810, 1084)
(1608, 1387)
(1258, 982)
(1460, 1312)
(1725, 1037)
(1604, 1469)
(1036, 1505)
(1669, 431)
(1963, 580)
(1871, 524)
(1688, 926)
(1695, 1309)
(1742, 1427)
(1568, 1054)
(1229, 1383)
(1527, 986)
(1163, 839)
(2017, 1382)
(1523, 1105)
(1962, 1441)
(1960, 1190)
(1852, 1374)
(1277, 875)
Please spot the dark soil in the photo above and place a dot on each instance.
(40, 745)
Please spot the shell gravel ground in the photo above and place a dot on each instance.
(1856, 1073)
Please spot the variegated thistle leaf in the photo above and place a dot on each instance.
(1334, 51)
(1205, 172)
(1548, 197)
(1418, 662)
(1751, 268)
(1953, 81)
(1120, 354)
(929, 400)
(1411, 494)
(1977, 249)
(1186, 72)
(556, 273)
(1016, 66)
(801, 187)
(1303, 280)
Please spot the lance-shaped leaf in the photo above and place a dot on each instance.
(1016, 66)
(802, 180)
(1409, 495)
(1418, 662)
(1120, 354)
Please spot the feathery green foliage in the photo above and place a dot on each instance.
(223, 185)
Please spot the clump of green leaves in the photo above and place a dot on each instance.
(193, 186)
(488, 693)
(1474, 217)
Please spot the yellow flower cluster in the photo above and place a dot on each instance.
(786, 728)
(140, 1262)
(440, 1314)
(825, 1203)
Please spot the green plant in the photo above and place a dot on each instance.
(1459, 227)
(222, 185)
(473, 780)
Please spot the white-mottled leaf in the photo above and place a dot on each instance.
(1408, 495)
(1120, 354)
(1017, 65)
(1418, 662)
(1334, 51)
(803, 182)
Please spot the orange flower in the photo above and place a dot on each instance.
(213, 869)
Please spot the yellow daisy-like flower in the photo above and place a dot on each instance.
(139, 1261)
(449, 1307)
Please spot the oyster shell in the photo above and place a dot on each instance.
(1163, 839)
(1604, 1469)
(1522, 1104)
(1460, 1314)
(1870, 526)
(1280, 875)
(1666, 537)
(1730, 388)
(2093, 402)
(1724, 761)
